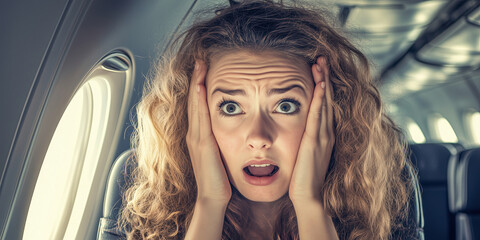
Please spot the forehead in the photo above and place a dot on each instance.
(262, 68)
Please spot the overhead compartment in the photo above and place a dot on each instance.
(458, 46)
(450, 55)
(384, 30)
(411, 75)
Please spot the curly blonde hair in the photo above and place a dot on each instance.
(366, 191)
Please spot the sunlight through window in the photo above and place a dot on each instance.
(51, 197)
(444, 130)
(415, 132)
(474, 122)
(101, 93)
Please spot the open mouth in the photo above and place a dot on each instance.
(261, 170)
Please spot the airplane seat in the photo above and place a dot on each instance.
(116, 184)
(467, 217)
(432, 161)
(123, 167)
(456, 150)
(415, 213)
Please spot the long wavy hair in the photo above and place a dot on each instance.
(366, 190)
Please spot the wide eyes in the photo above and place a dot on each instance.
(286, 106)
(230, 108)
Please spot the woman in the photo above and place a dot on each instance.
(264, 123)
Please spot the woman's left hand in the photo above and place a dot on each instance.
(317, 142)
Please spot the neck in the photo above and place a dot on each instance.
(264, 215)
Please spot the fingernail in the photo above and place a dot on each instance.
(322, 84)
(318, 68)
(198, 88)
(321, 60)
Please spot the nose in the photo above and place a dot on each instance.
(259, 133)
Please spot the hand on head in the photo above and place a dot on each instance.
(211, 177)
(317, 142)
(313, 155)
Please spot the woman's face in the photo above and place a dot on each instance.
(258, 105)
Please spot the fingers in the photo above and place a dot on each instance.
(198, 113)
(317, 112)
(210, 174)
(203, 112)
(326, 128)
(193, 97)
(329, 108)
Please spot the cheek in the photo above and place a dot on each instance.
(293, 139)
(290, 140)
(294, 126)
(227, 139)
(287, 132)
(290, 137)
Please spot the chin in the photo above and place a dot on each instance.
(262, 194)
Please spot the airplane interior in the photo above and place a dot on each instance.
(73, 71)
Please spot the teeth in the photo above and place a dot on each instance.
(260, 165)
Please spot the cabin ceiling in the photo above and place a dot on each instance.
(413, 45)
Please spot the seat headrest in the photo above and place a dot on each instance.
(413, 227)
(431, 160)
(467, 181)
(416, 205)
(117, 184)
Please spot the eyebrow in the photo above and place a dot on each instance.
(286, 89)
(272, 91)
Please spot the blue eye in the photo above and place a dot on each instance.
(229, 108)
(288, 106)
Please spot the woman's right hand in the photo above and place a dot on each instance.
(212, 180)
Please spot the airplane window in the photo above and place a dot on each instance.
(443, 130)
(473, 120)
(414, 132)
(80, 151)
(101, 92)
(60, 171)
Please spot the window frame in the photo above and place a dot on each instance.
(121, 91)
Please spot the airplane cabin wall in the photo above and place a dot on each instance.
(33, 20)
(50, 55)
(452, 100)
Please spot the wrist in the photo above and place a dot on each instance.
(207, 220)
(211, 204)
(308, 203)
(309, 200)
(313, 220)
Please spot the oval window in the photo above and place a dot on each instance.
(443, 130)
(473, 125)
(80, 151)
(415, 132)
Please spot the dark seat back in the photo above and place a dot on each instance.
(467, 204)
(415, 221)
(432, 161)
(416, 207)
